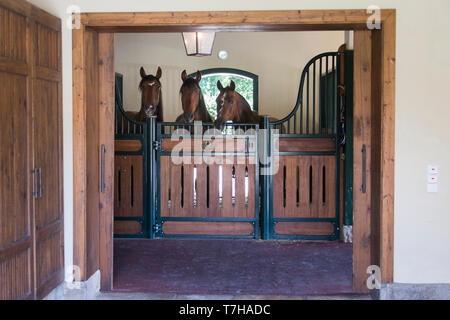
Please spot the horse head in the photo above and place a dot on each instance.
(227, 108)
(191, 95)
(150, 87)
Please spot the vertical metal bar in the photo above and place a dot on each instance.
(102, 173)
(335, 93)
(307, 102)
(40, 182)
(116, 130)
(266, 191)
(35, 191)
(314, 98)
(320, 98)
(326, 97)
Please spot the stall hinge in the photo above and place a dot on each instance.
(157, 145)
(157, 227)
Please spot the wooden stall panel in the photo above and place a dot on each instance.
(208, 228)
(128, 175)
(304, 228)
(127, 227)
(127, 145)
(207, 190)
(305, 187)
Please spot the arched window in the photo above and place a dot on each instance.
(246, 85)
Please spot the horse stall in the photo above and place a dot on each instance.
(279, 181)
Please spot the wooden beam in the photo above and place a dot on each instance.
(387, 147)
(281, 20)
(107, 109)
(79, 149)
(362, 137)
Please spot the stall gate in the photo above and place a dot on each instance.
(276, 180)
(302, 194)
(208, 182)
(132, 162)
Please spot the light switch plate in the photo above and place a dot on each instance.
(433, 169)
(432, 187)
(432, 178)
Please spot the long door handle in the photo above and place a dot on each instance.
(364, 156)
(35, 192)
(40, 182)
(102, 182)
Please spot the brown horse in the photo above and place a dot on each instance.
(194, 108)
(232, 106)
(151, 98)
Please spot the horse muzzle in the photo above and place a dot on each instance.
(219, 124)
(188, 117)
(150, 111)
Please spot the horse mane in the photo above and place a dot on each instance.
(202, 107)
(245, 111)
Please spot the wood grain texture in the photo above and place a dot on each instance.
(203, 200)
(128, 196)
(127, 227)
(127, 145)
(388, 61)
(306, 145)
(297, 177)
(107, 78)
(31, 214)
(79, 149)
(304, 228)
(208, 228)
(48, 152)
(362, 136)
(232, 20)
(92, 153)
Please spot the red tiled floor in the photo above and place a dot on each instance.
(237, 267)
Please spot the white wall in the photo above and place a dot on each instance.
(422, 220)
(278, 58)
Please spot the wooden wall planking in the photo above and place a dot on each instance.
(30, 47)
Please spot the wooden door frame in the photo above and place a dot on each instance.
(373, 231)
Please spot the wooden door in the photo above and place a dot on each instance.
(16, 236)
(31, 229)
(47, 134)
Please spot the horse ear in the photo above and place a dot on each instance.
(159, 73)
(232, 85)
(198, 77)
(219, 85)
(143, 75)
(184, 75)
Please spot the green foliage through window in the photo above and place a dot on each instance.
(245, 85)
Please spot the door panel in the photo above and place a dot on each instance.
(47, 130)
(15, 236)
(16, 251)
